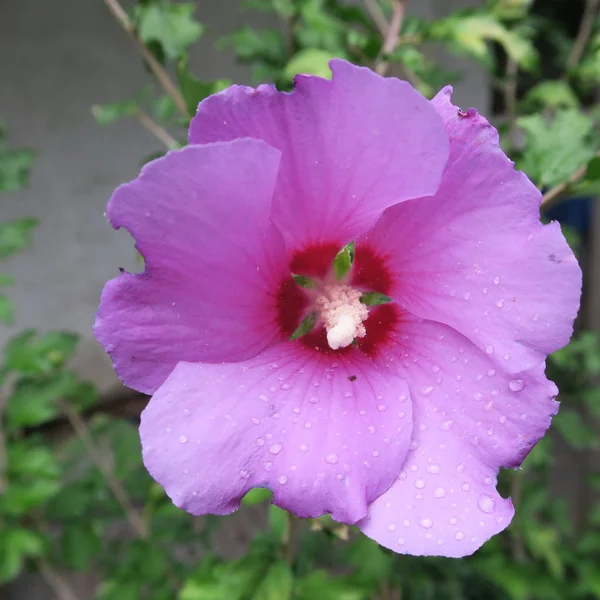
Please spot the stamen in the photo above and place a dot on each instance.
(343, 314)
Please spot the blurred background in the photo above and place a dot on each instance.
(91, 89)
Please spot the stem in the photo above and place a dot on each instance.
(288, 542)
(583, 35)
(558, 191)
(54, 580)
(83, 433)
(516, 492)
(392, 37)
(510, 98)
(164, 79)
(377, 15)
(155, 129)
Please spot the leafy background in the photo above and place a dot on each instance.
(74, 496)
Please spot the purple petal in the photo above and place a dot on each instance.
(214, 263)
(470, 419)
(476, 257)
(326, 434)
(350, 147)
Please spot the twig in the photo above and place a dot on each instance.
(392, 37)
(83, 433)
(377, 15)
(510, 98)
(558, 191)
(516, 493)
(164, 79)
(54, 580)
(583, 35)
(155, 129)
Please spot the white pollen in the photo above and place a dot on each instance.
(343, 314)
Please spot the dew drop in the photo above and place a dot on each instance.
(459, 535)
(453, 521)
(426, 390)
(260, 442)
(500, 303)
(303, 447)
(489, 349)
(283, 479)
(502, 419)
(426, 523)
(332, 459)
(183, 439)
(275, 449)
(391, 527)
(465, 487)
(496, 280)
(516, 385)
(400, 542)
(244, 474)
(439, 493)
(313, 399)
(460, 468)
(187, 412)
(446, 425)
(285, 386)
(381, 407)
(433, 469)
(420, 484)
(486, 504)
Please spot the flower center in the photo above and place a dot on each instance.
(342, 313)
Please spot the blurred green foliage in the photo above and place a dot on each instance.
(73, 490)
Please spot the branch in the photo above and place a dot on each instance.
(377, 15)
(510, 97)
(155, 129)
(583, 35)
(54, 580)
(558, 191)
(83, 433)
(392, 38)
(164, 79)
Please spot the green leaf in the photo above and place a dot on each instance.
(26, 460)
(250, 45)
(555, 150)
(551, 94)
(16, 235)
(306, 326)
(257, 496)
(6, 279)
(171, 25)
(32, 401)
(593, 169)
(194, 90)
(16, 544)
(342, 263)
(374, 299)
(19, 498)
(278, 522)
(163, 108)
(572, 427)
(277, 583)
(470, 31)
(6, 310)
(15, 166)
(319, 584)
(311, 61)
(105, 114)
(304, 282)
(32, 353)
(80, 545)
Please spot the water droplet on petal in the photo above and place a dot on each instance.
(426, 390)
(439, 493)
(303, 447)
(420, 484)
(465, 487)
(459, 535)
(489, 349)
(434, 469)
(313, 399)
(275, 449)
(381, 407)
(183, 439)
(391, 527)
(496, 280)
(187, 412)
(331, 459)
(400, 542)
(486, 504)
(283, 479)
(500, 303)
(446, 425)
(244, 474)
(426, 523)
(516, 385)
